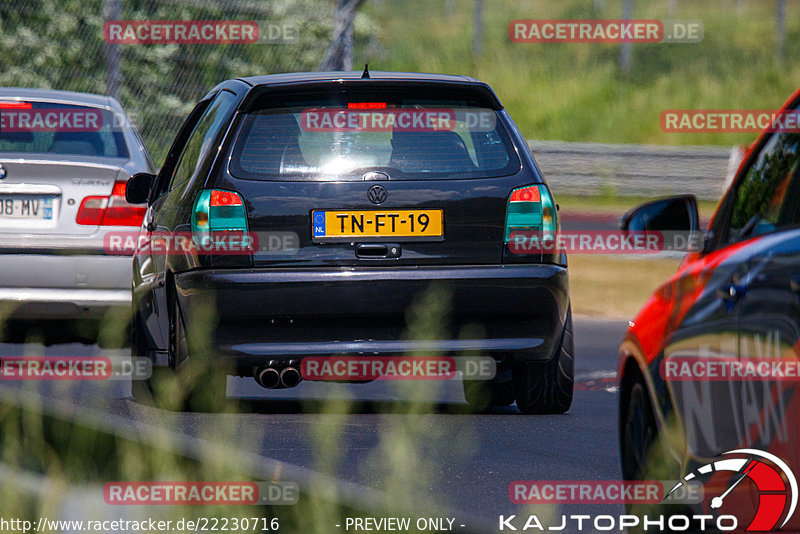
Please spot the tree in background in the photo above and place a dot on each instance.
(340, 52)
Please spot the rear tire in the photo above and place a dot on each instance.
(141, 390)
(643, 452)
(201, 386)
(639, 432)
(482, 395)
(547, 387)
(145, 391)
(186, 385)
(14, 331)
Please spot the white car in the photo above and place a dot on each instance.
(64, 160)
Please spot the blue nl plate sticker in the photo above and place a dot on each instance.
(319, 223)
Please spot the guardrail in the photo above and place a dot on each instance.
(632, 170)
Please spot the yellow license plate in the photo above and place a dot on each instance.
(417, 224)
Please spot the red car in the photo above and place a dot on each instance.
(710, 364)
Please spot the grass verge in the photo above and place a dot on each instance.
(578, 92)
(613, 286)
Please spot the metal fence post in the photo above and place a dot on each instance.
(626, 49)
(477, 29)
(112, 10)
(780, 30)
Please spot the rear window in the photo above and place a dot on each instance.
(346, 138)
(53, 128)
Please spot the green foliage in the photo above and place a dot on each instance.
(59, 44)
(576, 92)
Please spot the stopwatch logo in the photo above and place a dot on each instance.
(773, 479)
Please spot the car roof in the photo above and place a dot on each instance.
(352, 79)
(54, 95)
(316, 77)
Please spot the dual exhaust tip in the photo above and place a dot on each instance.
(270, 378)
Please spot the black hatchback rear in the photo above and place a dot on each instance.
(320, 208)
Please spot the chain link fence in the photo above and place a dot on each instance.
(59, 44)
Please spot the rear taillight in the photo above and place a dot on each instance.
(113, 210)
(219, 217)
(120, 212)
(530, 218)
(92, 210)
(531, 208)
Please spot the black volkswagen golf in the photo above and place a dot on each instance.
(332, 202)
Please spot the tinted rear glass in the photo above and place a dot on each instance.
(347, 136)
(51, 128)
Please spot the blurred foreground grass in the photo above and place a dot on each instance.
(72, 450)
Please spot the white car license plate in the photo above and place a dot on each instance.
(26, 208)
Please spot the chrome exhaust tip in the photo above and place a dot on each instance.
(269, 378)
(290, 377)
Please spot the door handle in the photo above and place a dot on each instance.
(731, 292)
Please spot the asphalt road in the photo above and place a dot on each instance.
(392, 435)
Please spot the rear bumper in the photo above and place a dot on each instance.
(56, 303)
(48, 286)
(264, 314)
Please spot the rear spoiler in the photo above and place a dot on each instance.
(299, 94)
